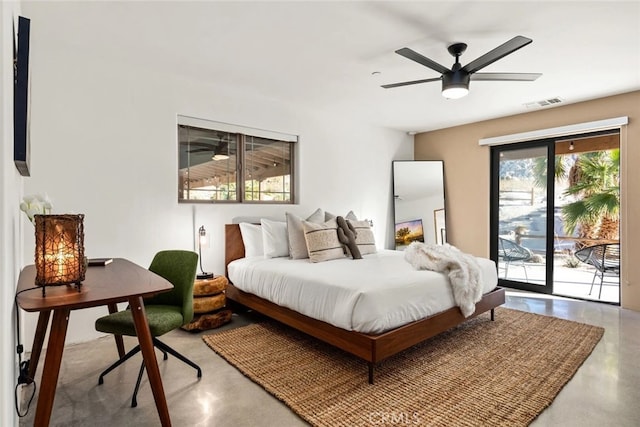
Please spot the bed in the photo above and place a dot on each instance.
(374, 341)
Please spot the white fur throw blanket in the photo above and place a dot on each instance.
(462, 270)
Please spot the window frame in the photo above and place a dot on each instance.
(241, 133)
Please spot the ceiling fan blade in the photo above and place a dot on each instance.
(421, 59)
(200, 150)
(500, 52)
(413, 82)
(516, 77)
(198, 144)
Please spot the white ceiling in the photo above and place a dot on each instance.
(321, 55)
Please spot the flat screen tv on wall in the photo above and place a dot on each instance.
(21, 97)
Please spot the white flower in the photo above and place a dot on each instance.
(35, 204)
(29, 198)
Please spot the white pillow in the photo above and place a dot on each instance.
(252, 238)
(274, 238)
(322, 241)
(295, 232)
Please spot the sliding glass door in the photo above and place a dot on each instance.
(520, 212)
(555, 216)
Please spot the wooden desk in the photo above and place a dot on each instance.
(120, 281)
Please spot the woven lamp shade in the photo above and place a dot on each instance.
(59, 249)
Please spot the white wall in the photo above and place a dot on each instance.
(103, 135)
(10, 225)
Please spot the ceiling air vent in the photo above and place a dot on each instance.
(544, 102)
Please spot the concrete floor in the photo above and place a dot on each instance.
(604, 391)
(567, 282)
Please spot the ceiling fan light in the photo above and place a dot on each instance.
(455, 85)
(217, 157)
(455, 92)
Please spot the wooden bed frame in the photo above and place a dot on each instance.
(371, 348)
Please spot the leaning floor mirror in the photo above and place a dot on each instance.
(418, 198)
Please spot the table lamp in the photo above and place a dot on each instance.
(202, 242)
(59, 254)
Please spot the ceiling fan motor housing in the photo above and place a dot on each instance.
(458, 78)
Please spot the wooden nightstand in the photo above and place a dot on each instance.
(209, 302)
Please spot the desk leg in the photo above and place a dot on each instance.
(149, 356)
(119, 342)
(38, 340)
(51, 368)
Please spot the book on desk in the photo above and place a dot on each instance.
(97, 262)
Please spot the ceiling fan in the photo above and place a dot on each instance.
(199, 141)
(219, 152)
(455, 81)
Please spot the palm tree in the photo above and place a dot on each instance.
(594, 180)
(540, 170)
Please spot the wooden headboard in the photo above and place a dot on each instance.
(233, 245)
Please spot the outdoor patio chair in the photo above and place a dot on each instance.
(605, 258)
(511, 252)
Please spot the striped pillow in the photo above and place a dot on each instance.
(364, 239)
(322, 241)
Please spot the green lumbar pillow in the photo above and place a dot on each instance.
(347, 235)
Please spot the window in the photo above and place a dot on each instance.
(223, 163)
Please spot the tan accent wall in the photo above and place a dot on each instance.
(467, 168)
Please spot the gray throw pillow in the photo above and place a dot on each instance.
(295, 232)
(350, 215)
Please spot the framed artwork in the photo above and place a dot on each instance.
(21, 98)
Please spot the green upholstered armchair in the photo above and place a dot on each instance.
(165, 312)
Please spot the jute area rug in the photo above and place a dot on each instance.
(482, 373)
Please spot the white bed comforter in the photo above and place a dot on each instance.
(372, 295)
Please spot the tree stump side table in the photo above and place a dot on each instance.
(209, 302)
